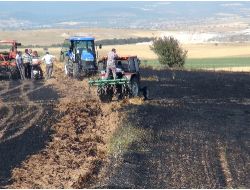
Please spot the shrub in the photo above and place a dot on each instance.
(169, 51)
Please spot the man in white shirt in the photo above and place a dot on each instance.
(19, 63)
(48, 59)
(112, 56)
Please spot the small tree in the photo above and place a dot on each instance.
(169, 51)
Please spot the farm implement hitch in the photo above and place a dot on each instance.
(103, 82)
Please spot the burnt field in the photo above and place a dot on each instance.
(26, 111)
(52, 133)
(193, 133)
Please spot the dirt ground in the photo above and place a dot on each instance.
(55, 133)
(52, 133)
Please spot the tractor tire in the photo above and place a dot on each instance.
(145, 92)
(14, 73)
(120, 94)
(68, 64)
(84, 73)
(135, 87)
(76, 73)
(67, 70)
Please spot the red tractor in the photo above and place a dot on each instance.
(127, 83)
(8, 51)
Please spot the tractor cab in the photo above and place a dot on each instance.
(83, 48)
(80, 56)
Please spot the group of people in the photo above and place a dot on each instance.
(30, 60)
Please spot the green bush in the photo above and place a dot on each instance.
(169, 52)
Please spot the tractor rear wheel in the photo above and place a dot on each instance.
(120, 93)
(68, 67)
(75, 70)
(134, 87)
(14, 73)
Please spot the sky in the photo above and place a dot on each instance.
(115, 14)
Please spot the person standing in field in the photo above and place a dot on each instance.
(26, 62)
(19, 63)
(48, 59)
(112, 56)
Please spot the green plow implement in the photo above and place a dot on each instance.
(104, 82)
(109, 88)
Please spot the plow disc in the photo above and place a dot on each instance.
(107, 88)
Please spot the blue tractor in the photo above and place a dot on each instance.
(79, 56)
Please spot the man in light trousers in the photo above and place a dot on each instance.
(48, 59)
(112, 56)
(26, 63)
(19, 63)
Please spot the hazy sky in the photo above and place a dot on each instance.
(52, 13)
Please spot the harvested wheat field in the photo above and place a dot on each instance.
(195, 51)
(56, 36)
(192, 133)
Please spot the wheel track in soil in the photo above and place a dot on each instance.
(21, 116)
(224, 166)
(23, 100)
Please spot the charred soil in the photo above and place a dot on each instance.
(193, 133)
(53, 133)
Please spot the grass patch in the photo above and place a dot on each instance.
(204, 63)
(217, 62)
(124, 137)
